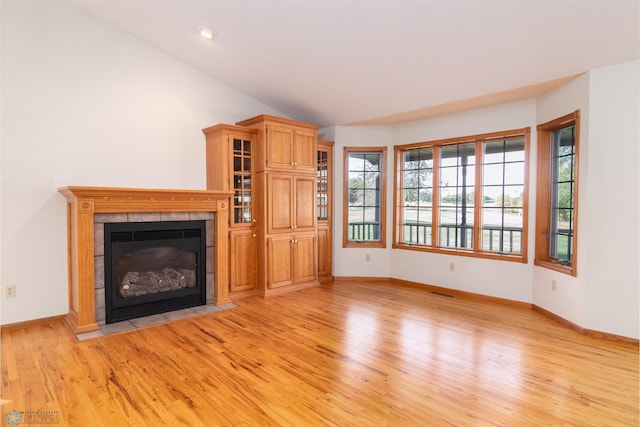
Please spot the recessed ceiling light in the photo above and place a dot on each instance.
(207, 32)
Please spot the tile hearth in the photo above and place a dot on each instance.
(156, 319)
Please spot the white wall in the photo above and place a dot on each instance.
(352, 261)
(84, 103)
(613, 223)
(568, 300)
(496, 278)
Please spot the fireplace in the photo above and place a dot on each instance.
(153, 267)
(88, 208)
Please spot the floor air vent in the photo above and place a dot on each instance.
(442, 294)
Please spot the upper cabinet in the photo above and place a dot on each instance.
(231, 166)
(288, 145)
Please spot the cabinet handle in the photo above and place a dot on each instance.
(253, 220)
(254, 234)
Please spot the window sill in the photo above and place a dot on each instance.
(363, 244)
(462, 252)
(565, 269)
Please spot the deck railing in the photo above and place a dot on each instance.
(494, 239)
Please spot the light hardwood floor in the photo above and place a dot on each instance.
(341, 354)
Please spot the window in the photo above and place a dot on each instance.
(364, 197)
(466, 195)
(556, 207)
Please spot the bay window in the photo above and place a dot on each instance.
(464, 195)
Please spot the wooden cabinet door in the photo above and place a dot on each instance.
(280, 197)
(324, 191)
(279, 147)
(279, 261)
(244, 252)
(324, 252)
(304, 257)
(304, 150)
(304, 203)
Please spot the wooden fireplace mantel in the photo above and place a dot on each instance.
(84, 202)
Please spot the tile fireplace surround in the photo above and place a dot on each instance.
(83, 203)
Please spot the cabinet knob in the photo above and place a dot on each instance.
(253, 220)
(254, 234)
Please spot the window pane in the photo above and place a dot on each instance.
(494, 152)
(417, 190)
(456, 196)
(364, 196)
(502, 196)
(372, 198)
(514, 173)
(514, 150)
(356, 197)
(410, 196)
(493, 174)
(562, 193)
(448, 177)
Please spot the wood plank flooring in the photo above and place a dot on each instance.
(342, 354)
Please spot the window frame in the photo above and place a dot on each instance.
(382, 243)
(477, 250)
(546, 130)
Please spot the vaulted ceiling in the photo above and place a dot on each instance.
(364, 61)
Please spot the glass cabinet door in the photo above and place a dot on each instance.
(242, 168)
(322, 178)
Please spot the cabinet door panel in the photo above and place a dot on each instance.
(305, 151)
(279, 147)
(305, 203)
(243, 260)
(279, 258)
(324, 252)
(280, 203)
(304, 264)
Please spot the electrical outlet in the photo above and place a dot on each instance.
(553, 285)
(367, 257)
(10, 291)
(452, 267)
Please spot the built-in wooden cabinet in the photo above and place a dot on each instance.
(270, 164)
(286, 156)
(324, 197)
(231, 166)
